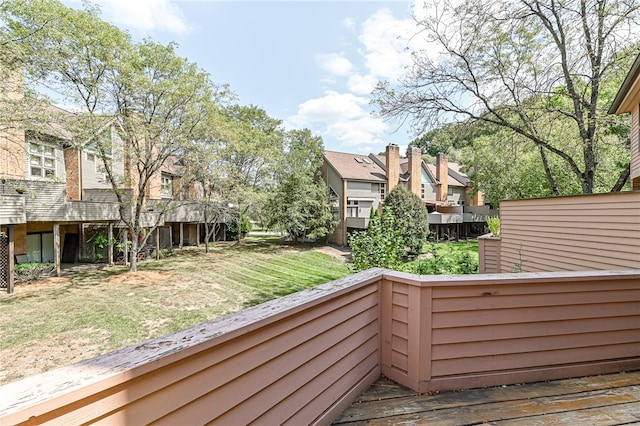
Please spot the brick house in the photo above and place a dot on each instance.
(55, 195)
(357, 185)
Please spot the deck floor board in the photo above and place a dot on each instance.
(612, 399)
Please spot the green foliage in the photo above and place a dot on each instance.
(99, 242)
(445, 261)
(548, 126)
(30, 272)
(380, 245)
(300, 205)
(245, 226)
(494, 225)
(411, 217)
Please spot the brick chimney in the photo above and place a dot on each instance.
(73, 172)
(442, 175)
(393, 166)
(415, 170)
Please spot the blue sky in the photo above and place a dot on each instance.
(310, 64)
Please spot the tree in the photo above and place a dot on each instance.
(411, 217)
(248, 153)
(155, 99)
(299, 204)
(521, 66)
(381, 245)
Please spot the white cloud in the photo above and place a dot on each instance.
(334, 63)
(146, 16)
(342, 117)
(385, 39)
(385, 49)
(362, 84)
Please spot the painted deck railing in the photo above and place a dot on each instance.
(303, 358)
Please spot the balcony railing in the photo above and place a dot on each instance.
(12, 209)
(304, 358)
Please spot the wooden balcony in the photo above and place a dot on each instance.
(304, 358)
(12, 210)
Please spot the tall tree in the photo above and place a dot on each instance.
(299, 204)
(411, 216)
(156, 99)
(248, 154)
(519, 65)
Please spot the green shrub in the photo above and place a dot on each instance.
(494, 225)
(30, 272)
(448, 262)
(381, 245)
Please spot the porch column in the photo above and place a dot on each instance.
(126, 246)
(56, 247)
(181, 242)
(198, 234)
(110, 243)
(158, 243)
(11, 237)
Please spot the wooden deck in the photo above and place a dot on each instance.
(598, 400)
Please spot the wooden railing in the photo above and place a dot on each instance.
(303, 358)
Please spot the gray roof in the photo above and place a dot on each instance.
(355, 166)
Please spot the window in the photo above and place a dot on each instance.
(423, 191)
(383, 190)
(166, 187)
(42, 161)
(450, 191)
(352, 208)
(91, 157)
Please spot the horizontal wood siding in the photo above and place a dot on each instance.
(179, 211)
(45, 201)
(91, 211)
(297, 360)
(12, 209)
(594, 232)
(489, 254)
(302, 359)
(511, 328)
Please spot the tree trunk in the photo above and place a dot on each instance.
(622, 179)
(133, 266)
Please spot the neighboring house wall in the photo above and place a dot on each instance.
(635, 148)
(588, 232)
(12, 154)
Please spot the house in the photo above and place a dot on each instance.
(358, 184)
(627, 101)
(55, 196)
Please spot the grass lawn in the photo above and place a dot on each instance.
(59, 321)
(470, 247)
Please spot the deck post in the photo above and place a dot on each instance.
(157, 243)
(181, 242)
(11, 277)
(56, 247)
(110, 243)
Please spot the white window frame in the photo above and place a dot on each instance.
(353, 207)
(166, 186)
(383, 190)
(42, 157)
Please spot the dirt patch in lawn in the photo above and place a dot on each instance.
(29, 358)
(140, 277)
(340, 253)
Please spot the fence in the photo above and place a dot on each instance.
(4, 260)
(303, 358)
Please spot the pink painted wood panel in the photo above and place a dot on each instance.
(591, 232)
(494, 329)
